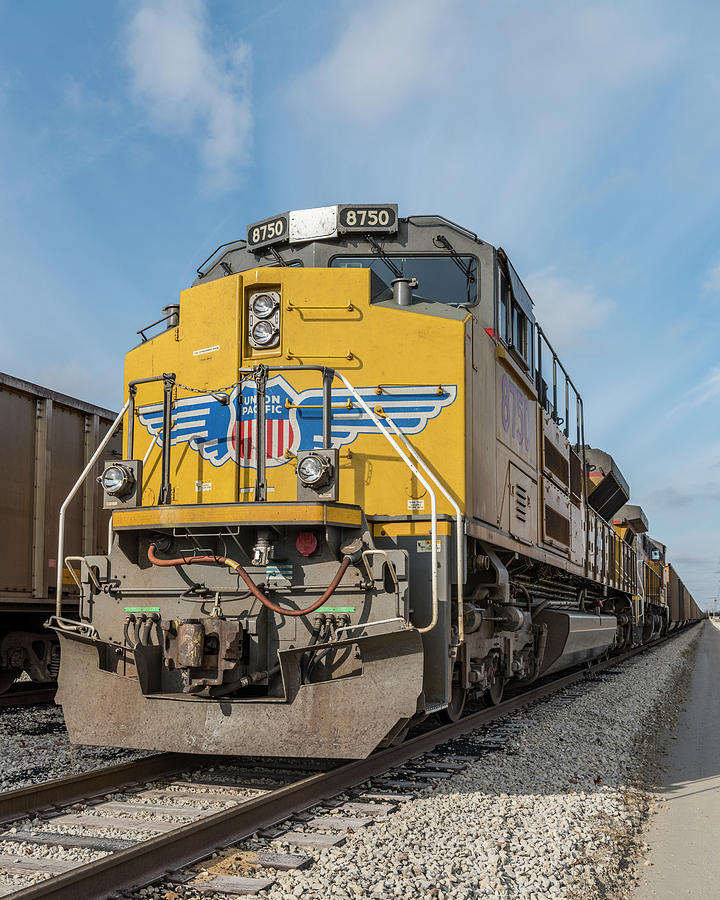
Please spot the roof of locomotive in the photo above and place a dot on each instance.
(318, 237)
(313, 237)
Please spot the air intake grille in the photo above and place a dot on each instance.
(556, 463)
(557, 526)
(575, 475)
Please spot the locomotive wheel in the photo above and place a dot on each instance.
(7, 678)
(494, 694)
(454, 709)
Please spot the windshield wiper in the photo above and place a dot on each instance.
(278, 259)
(465, 268)
(378, 251)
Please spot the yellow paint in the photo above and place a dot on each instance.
(330, 318)
(235, 513)
(209, 318)
(620, 530)
(408, 529)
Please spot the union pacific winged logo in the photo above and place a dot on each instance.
(227, 431)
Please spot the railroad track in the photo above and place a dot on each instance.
(260, 803)
(27, 693)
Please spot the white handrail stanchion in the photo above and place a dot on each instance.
(459, 543)
(63, 509)
(433, 500)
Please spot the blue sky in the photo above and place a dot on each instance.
(583, 137)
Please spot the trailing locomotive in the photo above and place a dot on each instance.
(355, 488)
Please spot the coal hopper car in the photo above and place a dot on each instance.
(48, 438)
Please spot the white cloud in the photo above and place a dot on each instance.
(568, 313)
(705, 390)
(487, 112)
(191, 86)
(474, 54)
(79, 99)
(711, 282)
(385, 54)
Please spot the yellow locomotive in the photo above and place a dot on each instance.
(355, 488)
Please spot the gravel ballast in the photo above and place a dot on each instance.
(557, 813)
(35, 747)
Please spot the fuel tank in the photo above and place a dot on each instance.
(574, 637)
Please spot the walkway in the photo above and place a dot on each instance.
(684, 835)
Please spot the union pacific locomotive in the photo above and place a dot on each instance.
(355, 488)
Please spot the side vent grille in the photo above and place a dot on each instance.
(575, 475)
(557, 527)
(556, 463)
(521, 503)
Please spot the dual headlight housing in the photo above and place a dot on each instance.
(264, 320)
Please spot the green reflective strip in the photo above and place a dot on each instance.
(336, 609)
(142, 609)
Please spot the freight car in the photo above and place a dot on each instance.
(355, 488)
(48, 438)
(682, 606)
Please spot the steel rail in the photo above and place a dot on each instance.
(153, 859)
(28, 693)
(59, 792)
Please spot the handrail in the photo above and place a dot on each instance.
(433, 500)
(329, 375)
(290, 306)
(460, 542)
(63, 509)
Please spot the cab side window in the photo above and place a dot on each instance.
(503, 305)
(515, 326)
(522, 335)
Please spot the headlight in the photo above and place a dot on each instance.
(311, 469)
(264, 333)
(314, 470)
(117, 480)
(263, 305)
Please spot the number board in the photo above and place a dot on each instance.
(368, 218)
(268, 231)
(517, 418)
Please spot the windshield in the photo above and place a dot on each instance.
(441, 279)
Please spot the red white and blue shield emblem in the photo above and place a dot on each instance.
(280, 424)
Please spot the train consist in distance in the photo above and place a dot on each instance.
(355, 488)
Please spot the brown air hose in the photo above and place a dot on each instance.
(253, 588)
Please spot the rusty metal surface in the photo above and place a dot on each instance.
(343, 718)
(202, 649)
(62, 791)
(150, 860)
